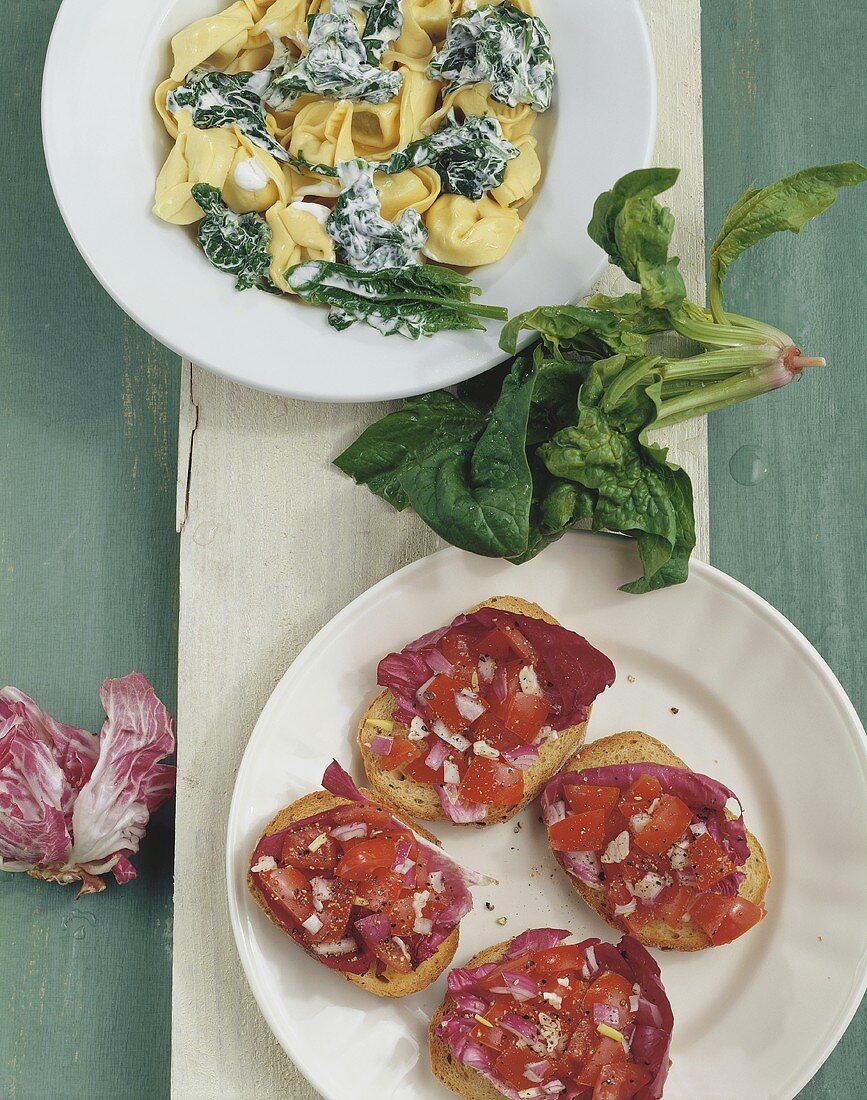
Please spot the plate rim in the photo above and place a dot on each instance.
(731, 587)
(230, 373)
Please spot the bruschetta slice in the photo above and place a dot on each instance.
(656, 849)
(538, 1017)
(359, 888)
(479, 714)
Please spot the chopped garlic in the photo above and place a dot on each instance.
(550, 1031)
(266, 863)
(418, 731)
(639, 821)
(482, 748)
(312, 925)
(677, 856)
(553, 999)
(529, 681)
(651, 886)
(618, 849)
(564, 982)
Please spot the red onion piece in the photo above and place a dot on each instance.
(381, 744)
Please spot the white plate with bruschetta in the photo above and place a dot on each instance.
(722, 682)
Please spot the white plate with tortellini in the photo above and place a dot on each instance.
(342, 200)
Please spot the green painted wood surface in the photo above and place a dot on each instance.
(88, 557)
(88, 589)
(785, 86)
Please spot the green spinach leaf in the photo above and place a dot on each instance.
(365, 240)
(469, 157)
(477, 493)
(335, 66)
(383, 25)
(424, 427)
(237, 243)
(572, 330)
(787, 204)
(412, 301)
(217, 100)
(504, 46)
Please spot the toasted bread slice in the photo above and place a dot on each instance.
(637, 748)
(461, 1079)
(421, 799)
(391, 984)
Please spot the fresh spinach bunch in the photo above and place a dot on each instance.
(410, 301)
(469, 157)
(504, 46)
(365, 240)
(336, 64)
(237, 243)
(558, 436)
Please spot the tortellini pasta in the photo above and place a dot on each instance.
(255, 180)
(467, 233)
(236, 157)
(416, 189)
(522, 176)
(199, 156)
(297, 235)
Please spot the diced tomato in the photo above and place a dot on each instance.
(512, 1064)
(521, 645)
(439, 698)
(578, 833)
(585, 797)
(419, 771)
(672, 904)
(668, 822)
(723, 919)
(639, 796)
(492, 1036)
(492, 783)
(290, 890)
(525, 715)
(583, 1041)
(402, 751)
(558, 960)
(461, 652)
(613, 990)
(494, 644)
(491, 729)
(709, 862)
(377, 817)
(335, 914)
(608, 1053)
(620, 1082)
(381, 889)
(364, 858)
(394, 955)
(296, 848)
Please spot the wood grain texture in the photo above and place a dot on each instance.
(274, 542)
(88, 589)
(786, 87)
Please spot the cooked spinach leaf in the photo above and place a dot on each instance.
(237, 243)
(504, 46)
(413, 301)
(469, 157)
(383, 25)
(217, 100)
(335, 66)
(364, 239)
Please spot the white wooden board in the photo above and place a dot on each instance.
(275, 541)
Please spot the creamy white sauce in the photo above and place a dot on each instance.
(320, 212)
(250, 175)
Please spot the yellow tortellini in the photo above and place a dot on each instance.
(416, 188)
(476, 99)
(251, 36)
(199, 156)
(522, 175)
(323, 133)
(217, 39)
(379, 129)
(297, 235)
(467, 233)
(255, 180)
